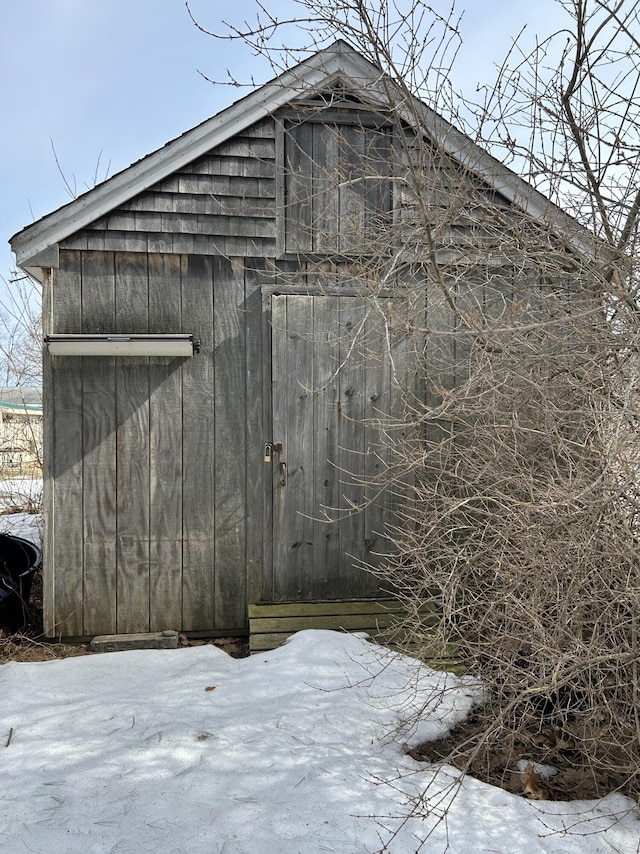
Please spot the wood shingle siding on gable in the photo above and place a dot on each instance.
(222, 204)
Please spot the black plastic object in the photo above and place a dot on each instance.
(19, 561)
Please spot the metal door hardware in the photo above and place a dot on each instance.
(271, 448)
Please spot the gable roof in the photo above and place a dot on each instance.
(364, 79)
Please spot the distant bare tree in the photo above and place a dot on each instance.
(21, 372)
(20, 332)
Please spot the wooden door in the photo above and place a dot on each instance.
(332, 395)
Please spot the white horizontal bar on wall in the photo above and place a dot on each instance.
(112, 344)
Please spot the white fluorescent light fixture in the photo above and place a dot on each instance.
(122, 345)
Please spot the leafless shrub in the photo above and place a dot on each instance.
(515, 453)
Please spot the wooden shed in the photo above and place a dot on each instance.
(187, 342)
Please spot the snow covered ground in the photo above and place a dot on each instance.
(297, 751)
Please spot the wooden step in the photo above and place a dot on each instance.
(270, 624)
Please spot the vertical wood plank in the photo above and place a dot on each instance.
(325, 202)
(280, 189)
(99, 443)
(132, 442)
(299, 187)
(326, 530)
(280, 493)
(351, 457)
(379, 412)
(256, 431)
(269, 520)
(377, 186)
(406, 394)
(230, 448)
(198, 449)
(300, 481)
(351, 204)
(63, 469)
(440, 353)
(165, 450)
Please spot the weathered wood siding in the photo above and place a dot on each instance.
(160, 510)
(148, 460)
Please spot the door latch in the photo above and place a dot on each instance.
(271, 448)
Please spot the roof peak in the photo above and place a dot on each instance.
(36, 245)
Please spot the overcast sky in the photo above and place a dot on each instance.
(108, 82)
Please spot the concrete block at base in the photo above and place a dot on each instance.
(142, 640)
